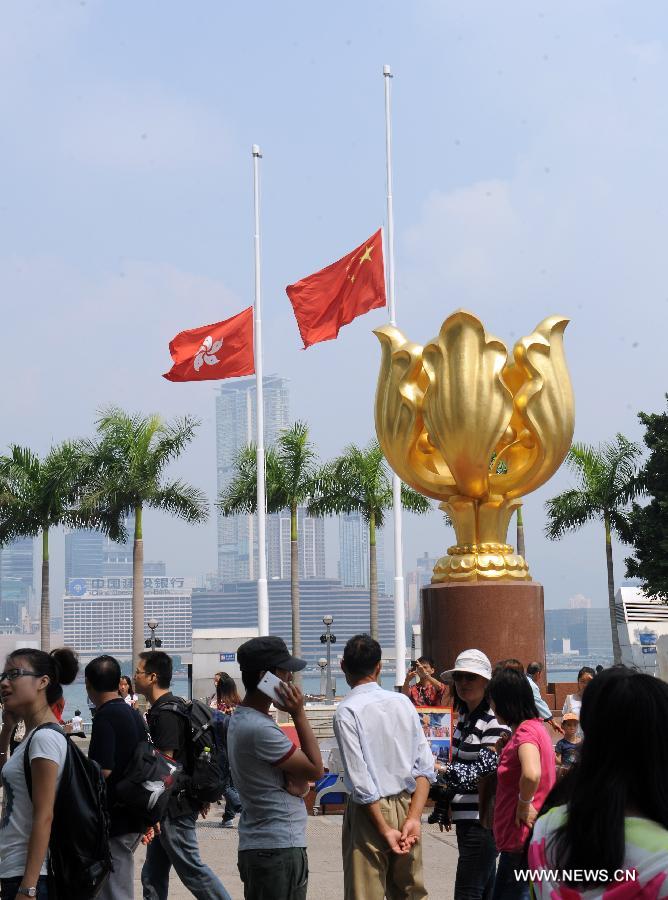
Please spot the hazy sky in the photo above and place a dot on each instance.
(530, 178)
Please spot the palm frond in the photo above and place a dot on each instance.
(181, 500)
(567, 512)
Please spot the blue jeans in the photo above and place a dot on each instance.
(477, 858)
(232, 803)
(9, 887)
(177, 846)
(507, 886)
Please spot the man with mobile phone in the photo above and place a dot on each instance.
(265, 764)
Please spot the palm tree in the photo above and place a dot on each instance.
(37, 495)
(125, 475)
(520, 533)
(290, 468)
(359, 481)
(607, 482)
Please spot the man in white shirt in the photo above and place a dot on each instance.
(388, 767)
(532, 673)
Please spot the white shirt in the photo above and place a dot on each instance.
(382, 744)
(16, 821)
(131, 699)
(572, 704)
(77, 723)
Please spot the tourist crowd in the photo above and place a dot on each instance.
(572, 819)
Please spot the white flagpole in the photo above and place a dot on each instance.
(399, 608)
(262, 593)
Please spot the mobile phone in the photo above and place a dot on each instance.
(268, 686)
(413, 663)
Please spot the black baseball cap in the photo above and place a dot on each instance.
(270, 652)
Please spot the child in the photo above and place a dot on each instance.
(77, 723)
(567, 748)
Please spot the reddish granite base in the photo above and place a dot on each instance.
(503, 619)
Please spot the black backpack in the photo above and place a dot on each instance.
(204, 782)
(147, 784)
(79, 858)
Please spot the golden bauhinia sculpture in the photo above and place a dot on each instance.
(461, 422)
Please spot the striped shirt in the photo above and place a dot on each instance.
(474, 731)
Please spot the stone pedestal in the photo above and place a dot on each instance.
(502, 619)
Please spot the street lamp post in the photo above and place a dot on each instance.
(329, 639)
(322, 662)
(152, 642)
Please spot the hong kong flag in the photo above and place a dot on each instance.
(331, 298)
(223, 350)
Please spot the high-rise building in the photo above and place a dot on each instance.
(117, 556)
(354, 552)
(234, 605)
(236, 404)
(311, 542)
(16, 580)
(581, 630)
(84, 554)
(97, 614)
(416, 580)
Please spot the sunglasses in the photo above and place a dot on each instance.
(13, 674)
(463, 676)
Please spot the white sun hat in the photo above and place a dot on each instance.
(473, 661)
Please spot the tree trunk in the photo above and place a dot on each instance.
(137, 589)
(294, 584)
(520, 534)
(616, 649)
(373, 579)
(44, 609)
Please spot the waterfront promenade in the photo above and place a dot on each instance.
(219, 849)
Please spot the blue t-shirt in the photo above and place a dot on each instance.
(271, 818)
(568, 751)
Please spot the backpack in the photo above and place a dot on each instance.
(221, 723)
(146, 786)
(204, 781)
(79, 859)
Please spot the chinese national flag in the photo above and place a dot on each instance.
(222, 350)
(333, 297)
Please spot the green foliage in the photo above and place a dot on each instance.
(37, 494)
(125, 469)
(291, 466)
(359, 481)
(648, 525)
(607, 482)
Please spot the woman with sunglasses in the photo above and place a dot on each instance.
(29, 686)
(473, 755)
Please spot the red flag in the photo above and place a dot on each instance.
(222, 350)
(329, 299)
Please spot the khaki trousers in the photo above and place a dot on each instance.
(371, 871)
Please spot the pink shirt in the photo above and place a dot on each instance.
(506, 834)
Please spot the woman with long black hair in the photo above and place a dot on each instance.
(611, 836)
(30, 685)
(525, 776)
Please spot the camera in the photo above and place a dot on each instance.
(442, 796)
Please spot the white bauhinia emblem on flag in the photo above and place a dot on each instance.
(207, 353)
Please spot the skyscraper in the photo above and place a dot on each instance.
(16, 579)
(91, 554)
(354, 552)
(83, 554)
(235, 428)
(311, 541)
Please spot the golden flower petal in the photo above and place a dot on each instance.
(467, 406)
(543, 413)
(398, 412)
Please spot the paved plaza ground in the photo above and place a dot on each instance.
(219, 850)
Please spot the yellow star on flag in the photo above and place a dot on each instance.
(367, 255)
